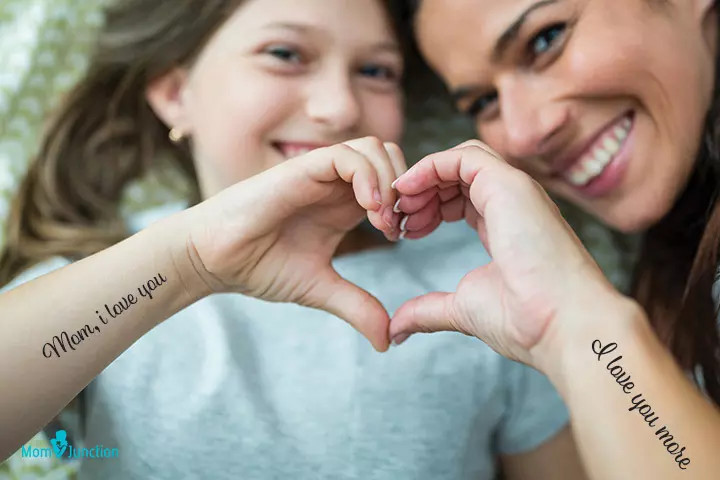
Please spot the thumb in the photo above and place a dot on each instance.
(351, 303)
(433, 312)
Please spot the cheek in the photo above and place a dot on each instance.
(670, 87)
(669, 84)
(232, 119)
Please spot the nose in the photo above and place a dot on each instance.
(535, 123)
(333, 103)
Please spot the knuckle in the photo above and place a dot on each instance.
(339, 150)
(483, 149)
(472, 143)
(392, 147)
(373, 142)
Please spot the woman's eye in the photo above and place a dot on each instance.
(285, 54)
(480, 105)
(546, 39)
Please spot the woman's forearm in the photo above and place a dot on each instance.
(635, 413)
(61, 330)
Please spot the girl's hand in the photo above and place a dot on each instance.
(273, 236)
(540, 273)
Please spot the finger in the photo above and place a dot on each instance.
(353, 166)
(424, 232)
(343, 162)
(422, 218)
(429, 313)
(412, 203)
(458, 165)
(387, 222)
(354, 305)
(447, 194)
(374, 150)
(397, 158)
(454, 210)
(479, 144)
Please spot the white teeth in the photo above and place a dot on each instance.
(592, 165)
(579, 177)
(603, 156)
(611, 145)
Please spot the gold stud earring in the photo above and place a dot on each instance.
(175, 135)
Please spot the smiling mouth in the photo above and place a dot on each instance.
(601, 153)
(294, 149)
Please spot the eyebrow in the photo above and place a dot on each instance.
(289, 26)
(506, 39)
(511, 33)
(392, 47)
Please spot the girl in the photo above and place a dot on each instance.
(258, 101)
(612, 105)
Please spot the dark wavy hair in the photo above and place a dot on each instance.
(677, 266)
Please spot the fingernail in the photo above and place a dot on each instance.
(403, 223)
(377, 196)
(387, 217)
(396, 207)
(394, 183)
(399, 339)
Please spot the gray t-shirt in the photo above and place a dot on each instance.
(235, 387)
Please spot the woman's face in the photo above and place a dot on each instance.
(601, 101)
(282, 77)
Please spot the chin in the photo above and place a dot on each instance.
(630, 226)
(628, 219)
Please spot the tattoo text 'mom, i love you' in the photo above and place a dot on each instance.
(64, 341)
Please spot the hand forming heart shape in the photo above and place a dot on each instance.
(273, 237)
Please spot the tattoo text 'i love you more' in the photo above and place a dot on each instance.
(69, 341)
(639, 403)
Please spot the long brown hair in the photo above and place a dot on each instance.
(105, 134)
(677, 266)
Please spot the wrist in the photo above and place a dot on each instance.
(611, 317)
(182, 255)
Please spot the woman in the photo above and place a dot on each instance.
(611, 105)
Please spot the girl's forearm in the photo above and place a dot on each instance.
(61, 330)
(635, 413)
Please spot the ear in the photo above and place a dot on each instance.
(166, 95)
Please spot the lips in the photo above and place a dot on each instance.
(586, 162)
(295, 149)
(600, 154)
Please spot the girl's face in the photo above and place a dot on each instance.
(602, 101)
(280, 78)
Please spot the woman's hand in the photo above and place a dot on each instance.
(540, 273)
(273, 236)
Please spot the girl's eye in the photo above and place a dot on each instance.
(379, 72)
(286, 54)
(478, 106)
(546, 39)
